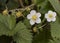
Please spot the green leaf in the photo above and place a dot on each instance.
(7, 24)
(56, 5)
(3, 1)
(38, 1)
(12, 4)
(3, 25)
(43, 36)
(11, 20)
(27, 23)
(22, 35)
(3, 19)
(45, 7)
(55, 28)
(55, 31)
(3, 29)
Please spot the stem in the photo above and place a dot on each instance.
(43, 20)
(42, 26)
(21, 3)
(42, 23)
(23, 9)
(12, 41)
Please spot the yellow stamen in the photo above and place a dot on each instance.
(50, 15)
(34, 17)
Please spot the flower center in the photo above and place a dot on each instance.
(34, 17)
(50, 15)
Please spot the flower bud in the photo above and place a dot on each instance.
(19, 14)
(5, 12)
(35, 29)
(28, 9)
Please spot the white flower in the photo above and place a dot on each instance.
(34, 17)
(50, 16)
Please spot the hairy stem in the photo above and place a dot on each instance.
(42, 26)
(23, 9)
(21, 3)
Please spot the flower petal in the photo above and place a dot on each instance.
(54, 14)
(50, 12)
(33, 12)
(32, 22)
(29, 16)
(49, 20)
(46, 15)
(54, 19)
(38, 15)
(38, 20)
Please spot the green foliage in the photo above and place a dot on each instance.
(3, 1)
(23, 35)
(11, 20)
(12, 4)
(21, 30)
(43, 36)
(38, 1)
(7, 24)
(56, 5)
(26, 22)
(55, 31)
